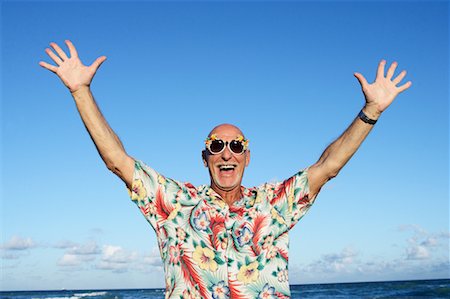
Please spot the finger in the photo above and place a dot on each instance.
(72, 50)
(391, 70)
(96, 64)
(48, 66)
(361, 80)
(404, 86)
(59, 51)
(53, 56)
(399, 77)
(380, 70)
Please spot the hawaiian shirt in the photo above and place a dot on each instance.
(212, 250)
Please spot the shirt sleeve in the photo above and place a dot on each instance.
(292, 198)
(155, 195)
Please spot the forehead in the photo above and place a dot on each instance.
(226, 131)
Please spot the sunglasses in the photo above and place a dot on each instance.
(216, 146)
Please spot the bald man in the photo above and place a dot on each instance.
(222, 240)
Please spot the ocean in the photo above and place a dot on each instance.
(439, 288)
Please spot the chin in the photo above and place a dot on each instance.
(225, 183)
(227, 187)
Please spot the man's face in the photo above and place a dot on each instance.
(226, 169)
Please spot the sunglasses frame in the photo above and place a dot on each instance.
(213, 137)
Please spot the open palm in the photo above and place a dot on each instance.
(381, 93)
(72, 72)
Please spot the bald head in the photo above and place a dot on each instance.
(228, 130)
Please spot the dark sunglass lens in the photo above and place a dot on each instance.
(216, 146)
(236, 147)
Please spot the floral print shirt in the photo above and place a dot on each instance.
(213, 250)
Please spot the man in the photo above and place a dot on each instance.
(222, 240)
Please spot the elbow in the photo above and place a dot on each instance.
(116, 167)
(112, 164)
(333, 173)
(112, 167)
(331, 170)
(122, 166)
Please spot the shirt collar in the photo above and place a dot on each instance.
(212, 196)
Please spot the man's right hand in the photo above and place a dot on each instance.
(77, 77)
(72, 72)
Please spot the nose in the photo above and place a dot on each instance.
(226, 154)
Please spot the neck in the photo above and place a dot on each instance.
(228, 196)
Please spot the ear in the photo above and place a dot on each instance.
(204, 158)
(247, 158)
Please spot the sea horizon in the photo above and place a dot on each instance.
(291, 285)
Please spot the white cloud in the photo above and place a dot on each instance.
(116, 254)
(74, 260)
(154, 261)
(154, 258)
(18, 243)
(69, 260)
(422, 243)
(150, 263)
(417, 252)
(89, 247)
(334, 262)
(77, 255)
(107, 257)
(85, 249)
(425, 255)
(65, 244)
(116, 258)
(429, 242)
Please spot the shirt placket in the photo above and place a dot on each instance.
(229, 224)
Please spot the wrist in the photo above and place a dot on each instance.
(371, 112)
(80, 90)
(362, 116)
(81, 93)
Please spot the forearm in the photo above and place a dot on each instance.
(378, 95)
(106, 141)
(337, 154)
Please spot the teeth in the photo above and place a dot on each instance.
(226, 167)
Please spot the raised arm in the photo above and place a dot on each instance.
(77, 78)
(379, 95)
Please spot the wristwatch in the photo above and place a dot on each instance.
(366, 119)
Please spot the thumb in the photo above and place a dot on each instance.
(361, 80)
(96, 64)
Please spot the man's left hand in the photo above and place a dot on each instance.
(381, 93)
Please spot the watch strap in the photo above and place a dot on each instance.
(366, 119)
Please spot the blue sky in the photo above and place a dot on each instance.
(283, 72)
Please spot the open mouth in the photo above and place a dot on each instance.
(227, 168)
